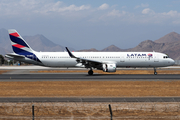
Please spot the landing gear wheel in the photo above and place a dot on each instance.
(90, 72)
(155, 73)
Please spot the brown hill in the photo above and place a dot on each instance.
(148, 45)
(171, 37)
(88, 50)
(111, 49)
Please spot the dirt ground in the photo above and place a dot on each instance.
(90, 88)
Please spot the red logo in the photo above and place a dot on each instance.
(15, 34)
(150, 55)
(18, 46)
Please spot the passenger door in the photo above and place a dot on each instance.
(156, 58)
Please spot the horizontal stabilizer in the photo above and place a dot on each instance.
(14, 55)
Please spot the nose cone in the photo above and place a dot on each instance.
(172, 62)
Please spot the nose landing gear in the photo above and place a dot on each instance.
(155, 73)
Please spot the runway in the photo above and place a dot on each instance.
(90, 99)
(85, 77)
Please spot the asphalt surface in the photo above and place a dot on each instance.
(79, 99)
(71, 77)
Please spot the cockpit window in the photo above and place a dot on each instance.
(165, 57)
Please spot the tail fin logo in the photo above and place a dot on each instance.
(20, 46)
(18, 43)
(17, 39)
(15, 34)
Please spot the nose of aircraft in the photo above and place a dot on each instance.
(172, 62)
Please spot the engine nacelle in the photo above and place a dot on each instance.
(109, 67)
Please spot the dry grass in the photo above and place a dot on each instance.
(90, 88)
(117, 72)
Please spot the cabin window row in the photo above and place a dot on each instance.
(55, 57)
(85, 57)
(102, 57)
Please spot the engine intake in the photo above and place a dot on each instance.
(109, 67)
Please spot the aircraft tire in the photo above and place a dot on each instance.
(155, 73)
(90, 72)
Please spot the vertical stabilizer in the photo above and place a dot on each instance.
(19, 45)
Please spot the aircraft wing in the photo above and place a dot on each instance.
(86, 62)
(11, 55)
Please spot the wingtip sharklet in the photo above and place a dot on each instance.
(70, 54)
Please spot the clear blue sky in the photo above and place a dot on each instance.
(84, 24)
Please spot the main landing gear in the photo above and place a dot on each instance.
(155, 73)
(90, 72)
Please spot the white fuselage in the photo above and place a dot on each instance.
(121, 59)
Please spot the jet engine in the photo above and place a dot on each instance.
(109, 67)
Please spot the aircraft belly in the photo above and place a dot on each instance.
(68, 63)
(59, 63)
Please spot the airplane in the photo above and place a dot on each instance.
(106, 61)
